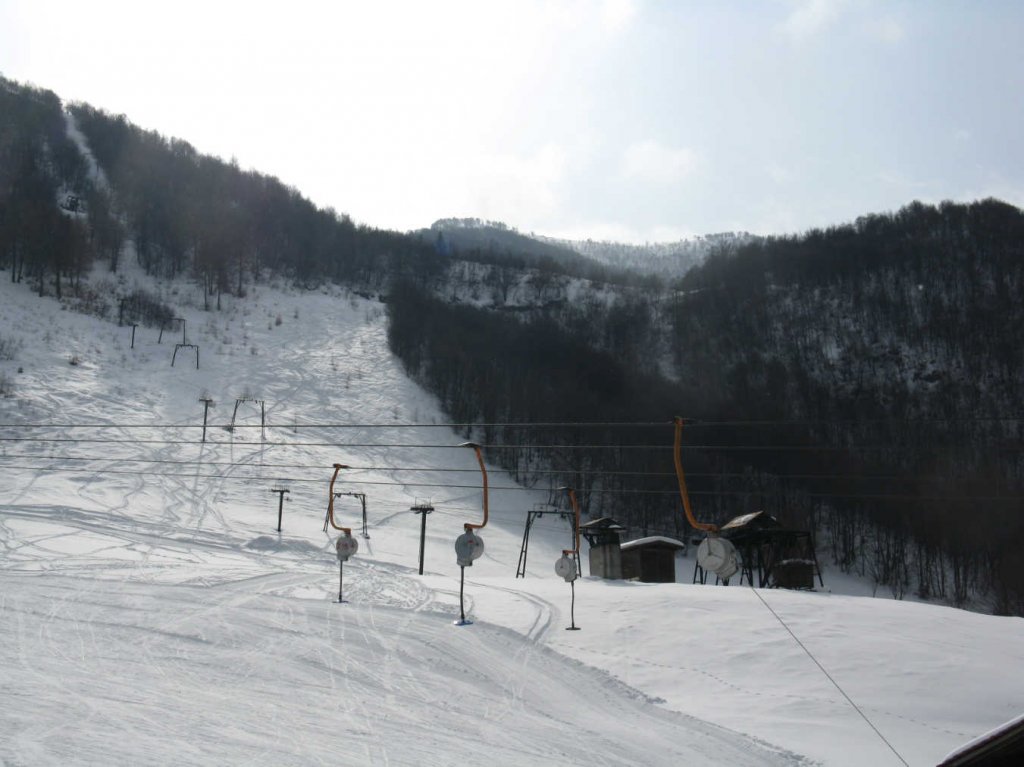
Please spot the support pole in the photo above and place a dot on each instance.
(133, 334)
(462, 605)
(423, 537)
(341, 582)
(206, 409)
(521, 567)
(572, 610)
(280, 504)
(575, 552)
(422, 509)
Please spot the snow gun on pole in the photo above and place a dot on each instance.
(567, 566)
(345, 545)
(469, 545)
(715, 553)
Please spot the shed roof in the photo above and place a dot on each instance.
(603, 523)
(757, 520)
(658, 541)
(1002, 746)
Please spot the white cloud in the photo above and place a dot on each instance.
(617, 14)
(780, 174)
(517, 189)
(809, 18)
(609, 231)
(887, 30)
(650, 161)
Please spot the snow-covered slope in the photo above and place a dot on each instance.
(150, 612)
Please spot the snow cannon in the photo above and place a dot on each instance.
(346, 546)
(718, 556)
(468, 546)
(565, 567)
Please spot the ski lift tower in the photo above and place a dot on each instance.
(532, 516)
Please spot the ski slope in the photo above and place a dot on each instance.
(150, 613)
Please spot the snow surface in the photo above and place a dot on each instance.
(150, 612)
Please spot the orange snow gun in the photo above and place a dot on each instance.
(330, 501)
(469, 526)
(705, 526)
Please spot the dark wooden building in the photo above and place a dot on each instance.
(651, 560)
(772, 555)
(1002, 747)
(605, 553)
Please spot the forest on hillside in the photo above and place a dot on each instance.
(862, 381)
(183, 213)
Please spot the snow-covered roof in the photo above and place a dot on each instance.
(652, 540)
(1001, 743)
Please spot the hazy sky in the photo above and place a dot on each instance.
(618, 119)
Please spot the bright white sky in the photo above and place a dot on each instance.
(619, 119)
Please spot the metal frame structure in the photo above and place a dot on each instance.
(531, 516)
(263, 413)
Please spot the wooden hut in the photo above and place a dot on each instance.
(773, 555)
(1002, 747)
(605, 552)
(651, 560)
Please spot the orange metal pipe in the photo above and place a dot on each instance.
(706, 526)
(480, 459)
(330, 501)
(576, 511)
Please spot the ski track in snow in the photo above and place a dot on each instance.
(151, 619)
(239, 673)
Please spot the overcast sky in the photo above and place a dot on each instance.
(614, 119)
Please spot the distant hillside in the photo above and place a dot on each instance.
(473, 238)
(864, 380)
(492, 242)
(177, 211)
(665, 259)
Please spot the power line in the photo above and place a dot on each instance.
(486, 446)
(768, 476)
(335, 425)
(830, 677)
(690, 422)
(518, 488)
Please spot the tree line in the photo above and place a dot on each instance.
(175, 210)
(862, 381)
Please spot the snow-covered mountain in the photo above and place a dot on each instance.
(665, 259)
(669, 260)
(152, 613)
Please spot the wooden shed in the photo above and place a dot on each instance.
(605, 554)
(771, 554)
(1002, 747)
(651, 560)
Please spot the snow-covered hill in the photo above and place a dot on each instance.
(151, 613)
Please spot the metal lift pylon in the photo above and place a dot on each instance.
(531, 516)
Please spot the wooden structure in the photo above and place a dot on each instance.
(605, 549)
(1002, 747)
(651, 560)
(772, 555)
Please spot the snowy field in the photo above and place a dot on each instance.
(150, 613)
